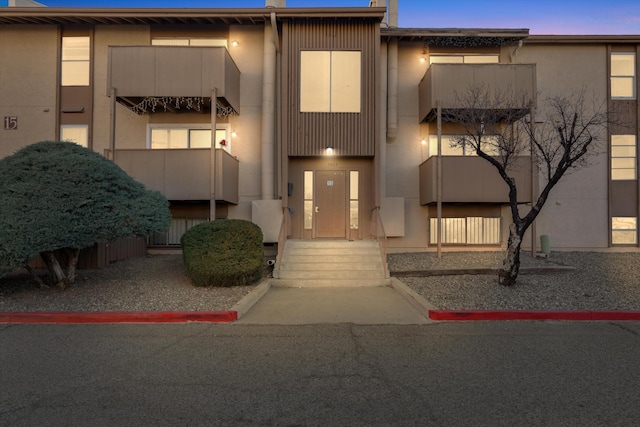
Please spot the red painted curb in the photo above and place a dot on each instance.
(532, 315)
(121, 317)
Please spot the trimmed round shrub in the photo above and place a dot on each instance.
(227, 252)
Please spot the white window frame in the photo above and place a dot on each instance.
(192, 126)
(626, 230)
(622, 76)
(340, 89)
(485, 58)
(634, 157)
(67, 79)
(86, 131)
(190, 41)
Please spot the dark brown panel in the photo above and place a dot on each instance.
(624, 198)
(350, 134)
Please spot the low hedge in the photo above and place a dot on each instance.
(226, 252)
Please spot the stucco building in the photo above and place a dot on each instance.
(324, 118)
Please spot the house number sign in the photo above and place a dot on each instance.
(10, 123)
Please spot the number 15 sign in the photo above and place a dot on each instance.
(10, 123)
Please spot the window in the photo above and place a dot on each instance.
(466, 231)
(623, 230)
(164, 137)
(451, 148)
(623, 75)
(464, 59)
(308, 200)
(187, 41)
(75, 133)
(623, 157)
(330, 81)
(353, 199)
(75, 61)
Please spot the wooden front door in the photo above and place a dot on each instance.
(331, 204)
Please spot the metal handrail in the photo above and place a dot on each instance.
(380, 235)
(282, 239)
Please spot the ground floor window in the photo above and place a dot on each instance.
(75, 133)
(623, 230)
(172, 236)
(466, 231)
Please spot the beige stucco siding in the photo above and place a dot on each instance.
(576, 214)
(28, 84)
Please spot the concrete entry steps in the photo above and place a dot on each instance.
(331, 263)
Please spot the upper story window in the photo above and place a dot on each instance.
(76, 56)
(187, 136)
(464, 59)
(623, 75)
(623, 157)
(330, 81)
(188, 41)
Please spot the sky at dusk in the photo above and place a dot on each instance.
(539, 16)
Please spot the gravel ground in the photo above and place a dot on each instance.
(151, 283)
(600, 281)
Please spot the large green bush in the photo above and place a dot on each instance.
(226, 252)
(58, 197)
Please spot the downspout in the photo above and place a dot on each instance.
(392, 75)
(268, 109)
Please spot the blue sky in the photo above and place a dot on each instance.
(540, 16)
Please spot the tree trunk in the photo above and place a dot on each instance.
(511, 265)
(58, 277)
(71, 261)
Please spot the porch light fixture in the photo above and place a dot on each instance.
(234, 134)
(423, 142)
(235, 43)
(329, 151)
(423, 56)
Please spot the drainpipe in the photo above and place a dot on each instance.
(268, 109)
(382, 140)
(392, 74)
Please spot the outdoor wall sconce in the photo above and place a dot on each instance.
(329, 151)
(235, 43)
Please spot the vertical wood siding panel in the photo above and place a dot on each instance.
(351, 134)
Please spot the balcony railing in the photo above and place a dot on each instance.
(471, 179)
(447, 82)
(184, 75)
(183, 174)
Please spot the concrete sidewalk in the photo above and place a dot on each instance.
(396, 304)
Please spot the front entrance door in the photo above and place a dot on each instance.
(331, 204)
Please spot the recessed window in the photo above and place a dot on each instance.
(308, 200)
(76, 55)
(623, 157)
(75, 133)
(464, 59)
(623, 75)
(466, 231)
(169, 137)
(330, 81)
(623, 230)
(188, 41)
(353, 199)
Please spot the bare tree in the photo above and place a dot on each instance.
(499, 127)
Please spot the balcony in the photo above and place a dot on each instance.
(183, 174)
(471, 179)
(142, 75)
(446, 82)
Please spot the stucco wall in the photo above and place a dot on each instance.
(576, 213)
(28, 84)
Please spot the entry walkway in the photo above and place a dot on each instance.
(358, 305)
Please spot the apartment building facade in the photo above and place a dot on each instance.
(325, 119)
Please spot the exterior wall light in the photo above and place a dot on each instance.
(329, 151)
(235, 43)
